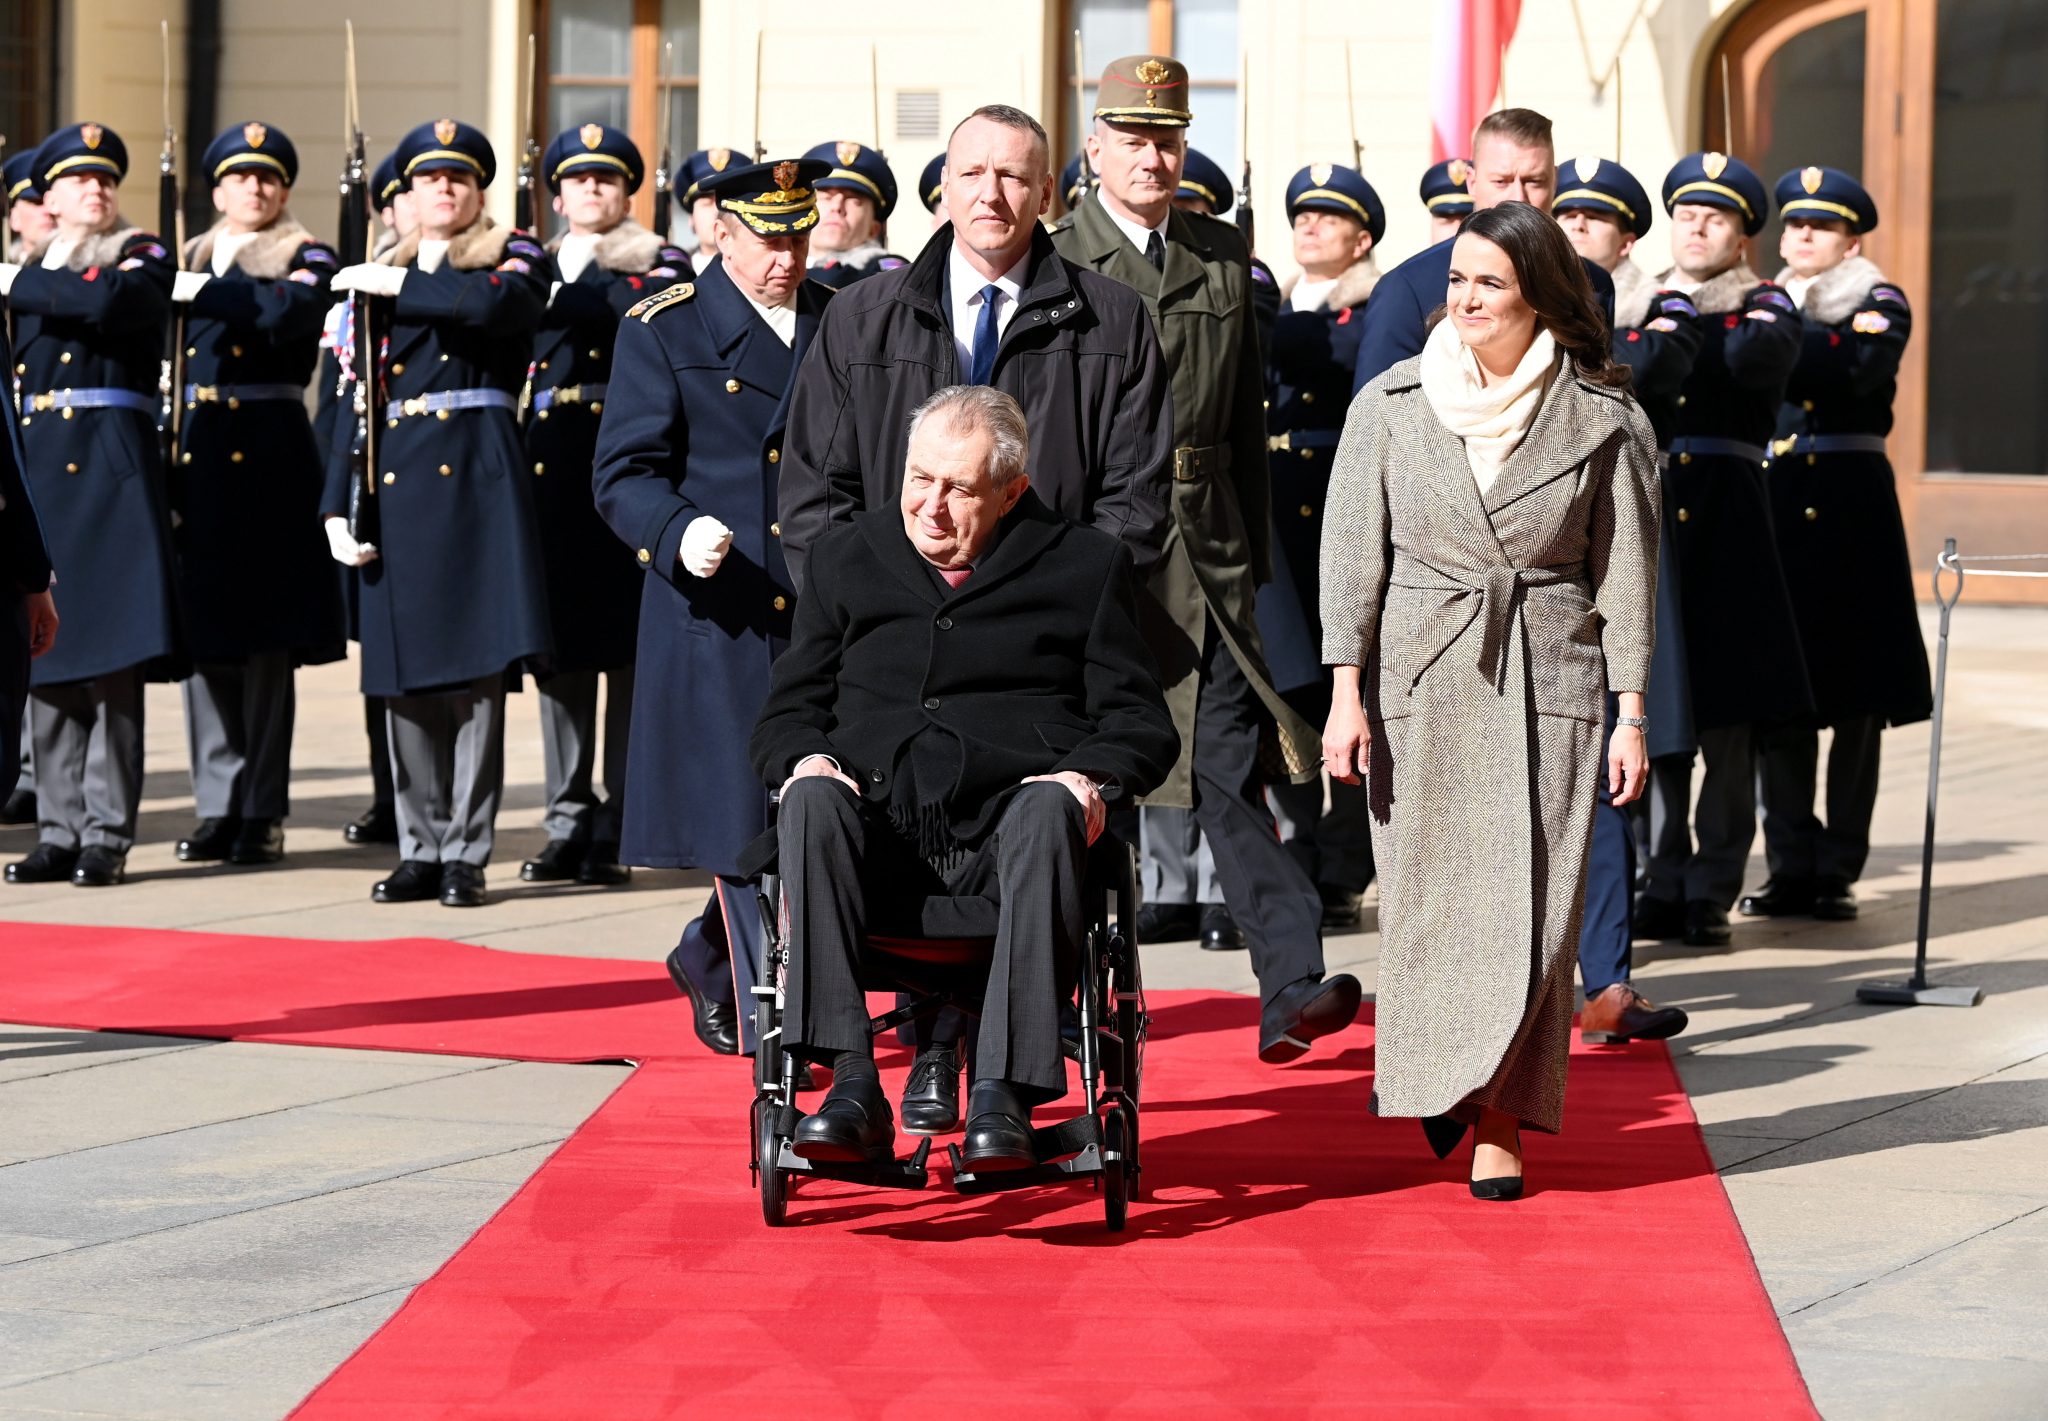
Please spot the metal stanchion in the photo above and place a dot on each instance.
(1918, 991)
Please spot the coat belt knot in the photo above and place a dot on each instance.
(1499, 589)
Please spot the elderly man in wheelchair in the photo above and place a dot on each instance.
(965, 692)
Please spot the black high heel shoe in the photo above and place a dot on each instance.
(1443, 1134)
(1502, 1188)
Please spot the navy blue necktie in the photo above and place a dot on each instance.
(983, 364)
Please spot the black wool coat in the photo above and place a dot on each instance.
(1033, 665)
(24, 569)
(1079, 355)
(97, 476)
(253, 566)
(593, 579)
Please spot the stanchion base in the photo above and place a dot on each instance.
(1905, 994)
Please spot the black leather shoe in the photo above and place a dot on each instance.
(1657, 919)
(931, 1097)
(1340, 906)
(46, 863)
(413, 881)
(1706, 924)
(1303, 1011)
(716, 1022)
(99, 867)
(1833, 902)
(378, 825)
(261, 841)
(1169, 922)
(1219, 930)
(210, 842)
(852, 1123)
(1779, 898)
(462, 885)
(20, 807)
(601, 867)
(557, 863)
(998, 1129)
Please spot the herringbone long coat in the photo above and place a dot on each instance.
(1490, 630)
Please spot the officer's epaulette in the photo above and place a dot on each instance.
(646, 308)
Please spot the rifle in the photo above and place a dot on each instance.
(664, 176)
(357, 207)
(1351, 113)
(171, 230)
(1244, 187)
(1081, 118)
(760, 150)
(525, 215)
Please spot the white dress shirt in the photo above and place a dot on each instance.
(575, 253)
(432, 254)
(227, 246)
(780, 319)
(1310, 295)
(1137, 233)
(964, 287)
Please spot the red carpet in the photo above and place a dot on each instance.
(1293, 1255)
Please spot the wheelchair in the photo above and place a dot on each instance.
(1100, 1145)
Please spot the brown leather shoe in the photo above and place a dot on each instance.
(1620, 1013)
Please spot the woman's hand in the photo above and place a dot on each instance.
(1628, 757)
(1347, 740)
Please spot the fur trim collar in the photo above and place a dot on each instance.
(1719, 295)
(1354, 286)
(475, 248)
(267, 256)
(628, 248)
(860, 257)
(1838, 292)
(1634, 289)
(100, 249)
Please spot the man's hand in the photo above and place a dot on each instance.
(185, 285)
(1093, 811)
(370, 278)
(346, 550)
(819, 766)
(704, 545)
(42, 622)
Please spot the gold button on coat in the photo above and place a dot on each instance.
(399, 368)
(73, 468)
(1812, 514)
(446, 471)
(1307, 512)
(440, 414)
(645, 556)
(1685, 458)
(774, 456)
(781, 603)
(236, 457)
(390, 478)
(1308, 397)
(775, 529)
(732, 387)
(191, 350)
(186, 457)
(540, 468)
(1684, 514)
(65, 358)
(597, 355)
(234, 350)
(1806, 405)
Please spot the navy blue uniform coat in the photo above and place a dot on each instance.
(24, 569)
(694, 427)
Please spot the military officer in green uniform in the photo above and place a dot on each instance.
(1236, 731)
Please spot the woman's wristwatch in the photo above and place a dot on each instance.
(1640, 722)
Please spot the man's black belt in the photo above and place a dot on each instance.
(1827, 444)
(1305, 439)
(1683, 450)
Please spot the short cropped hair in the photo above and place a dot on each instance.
(1525, 128)
(970, 408)
(1008, 116)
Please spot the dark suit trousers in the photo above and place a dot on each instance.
(1796, 844)
(1604, 950)
(845, 873)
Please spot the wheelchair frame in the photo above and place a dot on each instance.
(1100, 1144)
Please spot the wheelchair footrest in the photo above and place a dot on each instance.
(889, 1173)
(1078, 1139)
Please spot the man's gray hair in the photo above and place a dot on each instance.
(1007, 116)
(971, 408)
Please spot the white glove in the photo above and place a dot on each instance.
(704, 545)
(8, 271)
(185, 285)
(347, 551)
(370, 278)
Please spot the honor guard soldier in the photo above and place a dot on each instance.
(1072, 187)
(855, 199)
(697, 205)
(1194, 277)
(29, 223)
(931, 190)
(1744, 659)
(1843, 547)
(1337, 221)
(1605, 212)
(259, 598)
(90, 310)
(687, 465)
(1447, 196)
(603, 263)
(454, 600)
(29, 628)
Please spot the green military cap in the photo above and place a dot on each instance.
(1144, 88)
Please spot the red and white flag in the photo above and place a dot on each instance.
(1470, 35)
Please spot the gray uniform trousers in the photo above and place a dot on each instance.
(88, 760)
(568, 743)
(238, 728)
(1796, 844)
(845, 873)
(448, 769)
(1175, 862)
(1723, 819)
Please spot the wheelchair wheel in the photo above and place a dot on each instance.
(1119, 1179)
(767, 1149)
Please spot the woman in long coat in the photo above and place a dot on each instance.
(1489, 574)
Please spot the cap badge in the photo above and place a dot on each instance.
(785, 174)
(90, 134)
(718, 158)
(1151, 71)
(1587, 168)
(847, 152)
(253, 134)
(1811, 179)
(1458, 170)
(1713, 164)
(444, 131)
(592, 134)
(1319, 173)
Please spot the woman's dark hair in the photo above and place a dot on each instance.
(1554, 283)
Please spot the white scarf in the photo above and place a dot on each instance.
(1490, 419)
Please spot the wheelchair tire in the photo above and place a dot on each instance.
(767, 1149)
(1118, 1178)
